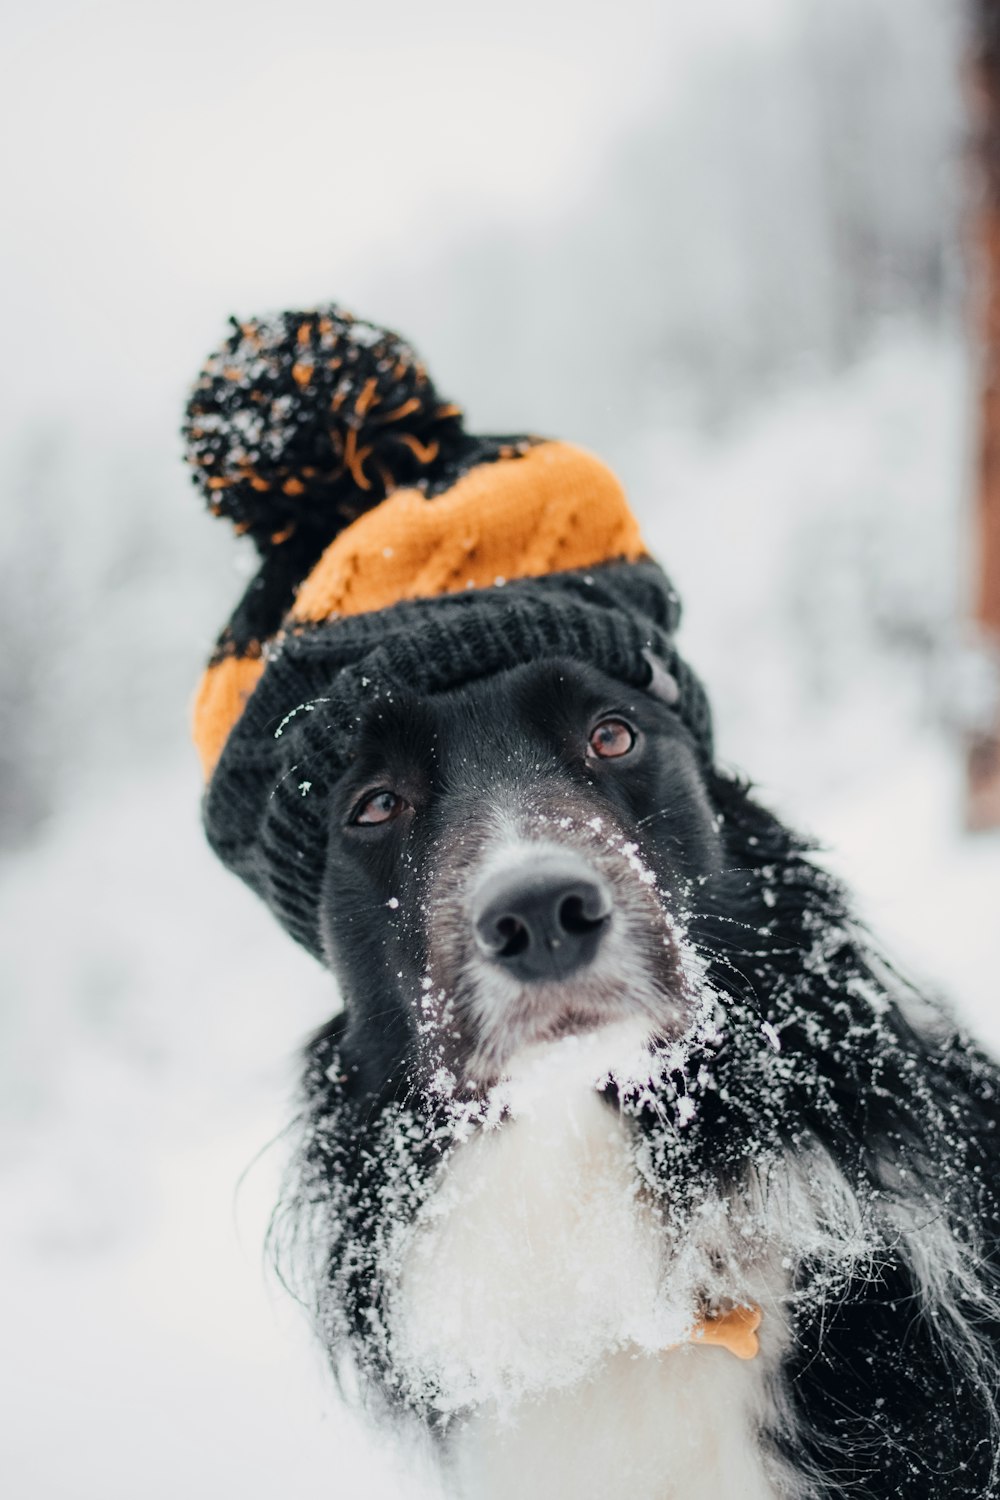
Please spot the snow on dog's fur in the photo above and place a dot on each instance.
(517, 1195)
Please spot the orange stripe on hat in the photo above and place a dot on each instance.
(551, 510)
(220, 700)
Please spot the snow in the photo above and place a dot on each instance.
(147, 1078)
(536, 1222)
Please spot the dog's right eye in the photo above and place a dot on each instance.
(378, 807)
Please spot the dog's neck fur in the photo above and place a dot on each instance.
(677, 1426)
(536, 1297)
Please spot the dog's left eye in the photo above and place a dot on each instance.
(379, 807)
(610, 739)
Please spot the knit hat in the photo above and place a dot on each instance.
(397, 552)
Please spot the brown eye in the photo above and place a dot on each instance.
(381, 807)
(611, 738)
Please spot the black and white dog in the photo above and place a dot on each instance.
(617, 1072)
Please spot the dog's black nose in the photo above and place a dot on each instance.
(545, 920)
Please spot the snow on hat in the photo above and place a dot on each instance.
(397, 551)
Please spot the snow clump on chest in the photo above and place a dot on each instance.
(538, 1253)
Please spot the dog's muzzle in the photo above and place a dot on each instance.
(544, 921)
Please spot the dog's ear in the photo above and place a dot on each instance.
(662, 685)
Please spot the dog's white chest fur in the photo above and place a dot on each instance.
(678, 1426)
(535, 1300)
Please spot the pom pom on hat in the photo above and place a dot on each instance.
(308, 419)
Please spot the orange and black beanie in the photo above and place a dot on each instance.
(397, 551)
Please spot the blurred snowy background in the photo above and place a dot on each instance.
(720, 243)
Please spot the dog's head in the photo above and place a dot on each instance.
(509, 863)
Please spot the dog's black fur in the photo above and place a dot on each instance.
(892, 1380)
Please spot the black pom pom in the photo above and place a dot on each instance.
(305, 420)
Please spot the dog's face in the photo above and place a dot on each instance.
(508, 863)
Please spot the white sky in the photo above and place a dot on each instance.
(163, 165)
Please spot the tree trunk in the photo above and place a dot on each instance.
(983, 733)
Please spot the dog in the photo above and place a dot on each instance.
(616, 1070)
(630, 1167)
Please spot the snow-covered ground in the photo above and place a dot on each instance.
(152, 1011)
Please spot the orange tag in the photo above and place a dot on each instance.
(735, 1330)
